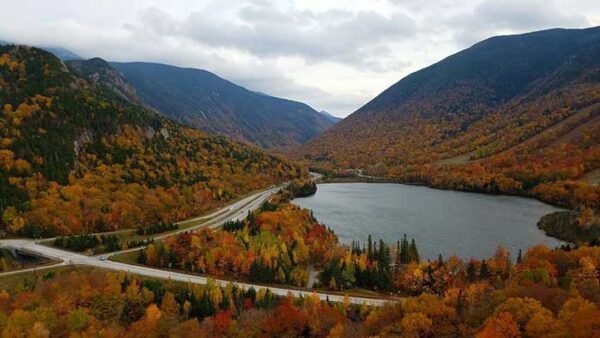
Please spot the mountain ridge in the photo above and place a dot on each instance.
(240, 113)
(100, 72)
(479, 106)
(77, 157)
(201, 99)
(467, 65)
(61, 53)
(331, 117)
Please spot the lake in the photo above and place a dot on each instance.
(441, 221)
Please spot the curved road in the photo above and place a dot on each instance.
(235, 211)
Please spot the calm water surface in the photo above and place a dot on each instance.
(446, 222)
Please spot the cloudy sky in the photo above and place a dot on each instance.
(334, 55)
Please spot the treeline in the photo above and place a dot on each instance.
(302, 188)
(157, 228)
(548, 293)
(406, 253)
(98, 243)
(271, 245)
(370, 266)
(79, 243)
(576, 227)
(143, 306)
(233, 226)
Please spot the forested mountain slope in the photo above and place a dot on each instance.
(76, 157)
(512, 114)
(202, 100)
(332, 118)
(100, 72)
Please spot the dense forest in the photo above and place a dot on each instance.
(96, 244)
(512, 114)
(302, 188)
(76, 157)
(274, 245)
(546, 293)
(281, 241)
(574, 227)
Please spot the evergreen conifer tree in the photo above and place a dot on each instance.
(414, 253)
(484, 271)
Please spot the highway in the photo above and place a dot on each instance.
(235, 211)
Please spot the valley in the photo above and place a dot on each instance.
(202, 100)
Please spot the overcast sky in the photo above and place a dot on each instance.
(334, 55)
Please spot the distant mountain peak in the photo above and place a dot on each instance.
(329, 116)
(203, 100)
(100, 72)
(59, 52)
(507, 115)
(63, 54)
(488, 74)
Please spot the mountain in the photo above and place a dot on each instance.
(78, 155)
(200, 99)
(61, 53)
(100, 72)
(511, 114)
(487, 75)
(327, 115)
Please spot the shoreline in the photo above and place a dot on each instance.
(383, 180)
(371, 179)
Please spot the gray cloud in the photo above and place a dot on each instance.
(512, 16)
(355, 38)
